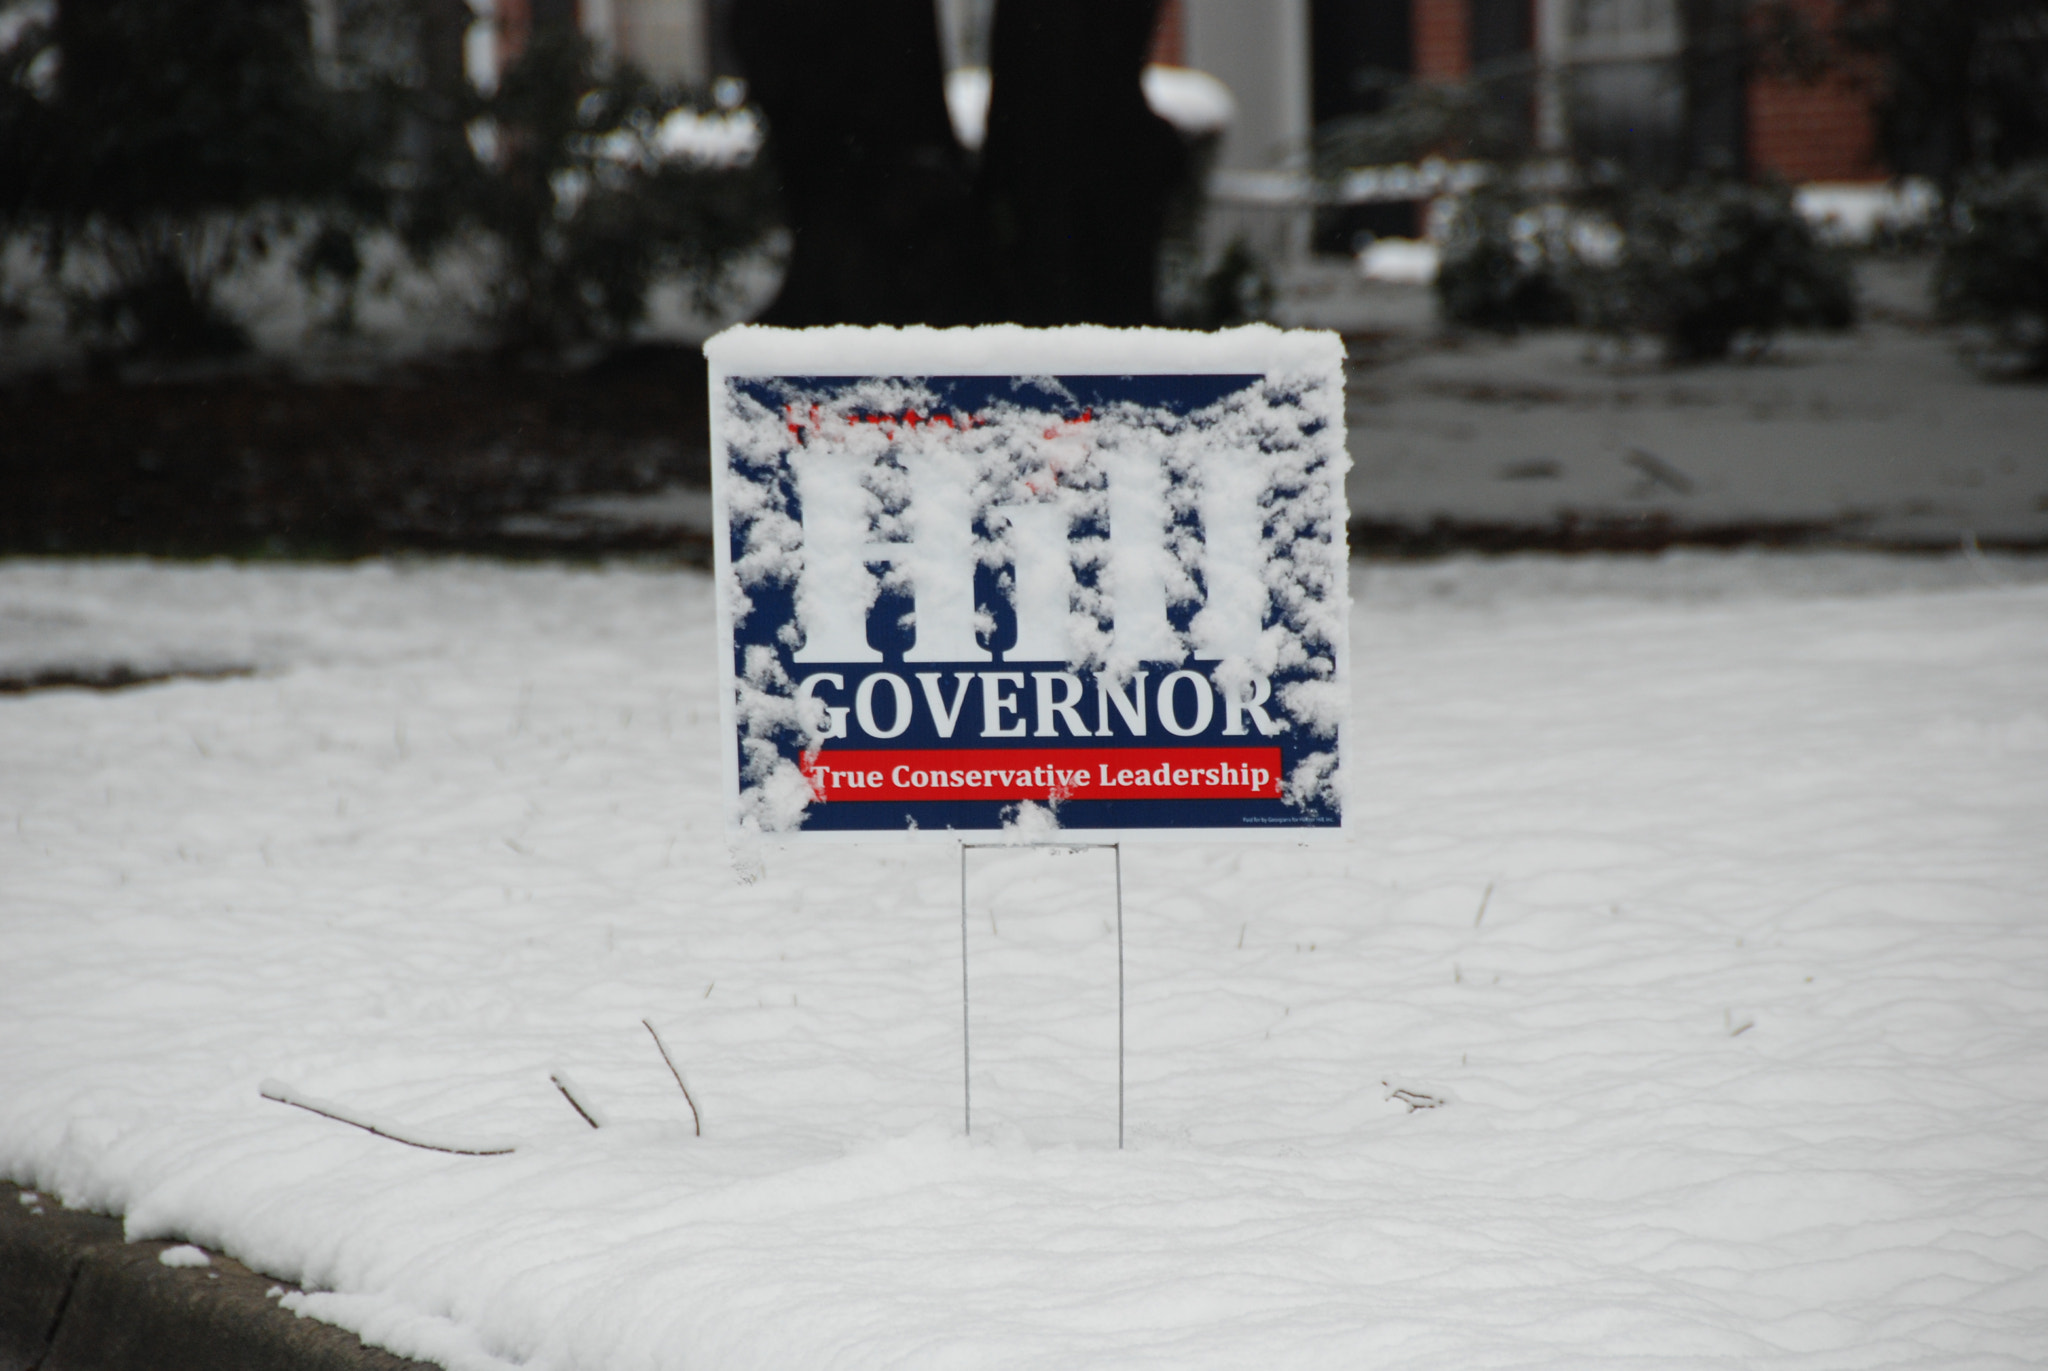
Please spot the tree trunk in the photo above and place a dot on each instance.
(875, 188)
(1077, 171)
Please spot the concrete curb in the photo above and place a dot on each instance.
(75, 1296)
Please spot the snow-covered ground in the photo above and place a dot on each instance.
(1704, 894)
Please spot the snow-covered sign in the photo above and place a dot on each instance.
(1083, 579)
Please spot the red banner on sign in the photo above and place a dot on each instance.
(1118, 773)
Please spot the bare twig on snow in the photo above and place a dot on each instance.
(284, 1094)
(589, 1112)
(661, 1047)
(1414, 1099)
(1658, 471)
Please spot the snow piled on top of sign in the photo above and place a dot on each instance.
(1013, 350)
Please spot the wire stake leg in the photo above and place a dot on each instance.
(966, 1055)
(1118, 849)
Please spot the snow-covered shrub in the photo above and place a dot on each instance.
(154, 188)
(1237, 290)
(1506, 265)
(1707, 264)
(153, 147)
(583, 187)
(1994, 262)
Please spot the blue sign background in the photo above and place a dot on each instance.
(769, 622)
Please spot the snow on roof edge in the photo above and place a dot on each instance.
(1013, 350)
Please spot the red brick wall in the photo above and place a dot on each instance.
(515, 25)
(1443, 43)
(1169, 35)
(1821, 132)
(1818, 132)
(515, 21)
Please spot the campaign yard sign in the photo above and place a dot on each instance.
(1089, 580)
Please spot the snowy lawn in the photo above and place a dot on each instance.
(1742, 1062)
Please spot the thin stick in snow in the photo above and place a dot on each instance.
(568, 1088)
(1659, 471)
(661, 1047)
(1414, 1099)
(1482, 904)
(1974, 555)
(284, 1094)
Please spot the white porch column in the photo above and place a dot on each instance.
(1258, 48)
(1553, 47)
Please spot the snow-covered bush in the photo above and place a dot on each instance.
(584, 187)
(1994, 262)
(1705, 265)
(1506, 265)
(155, 153)
(1238, 289)
(154, 147)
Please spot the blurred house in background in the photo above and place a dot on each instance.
(680, 41)
(1657, 89)
(1654, 84)
(670, 40)
(1660, 86)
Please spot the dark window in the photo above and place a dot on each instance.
(1502, 43)
(1362, 50)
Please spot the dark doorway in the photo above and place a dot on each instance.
(1716, 93)
(1361, 51)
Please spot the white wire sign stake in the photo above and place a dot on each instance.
(966, 1050)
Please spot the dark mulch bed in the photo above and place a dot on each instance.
(423, 458)
(438, 458)
(1570, 533)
